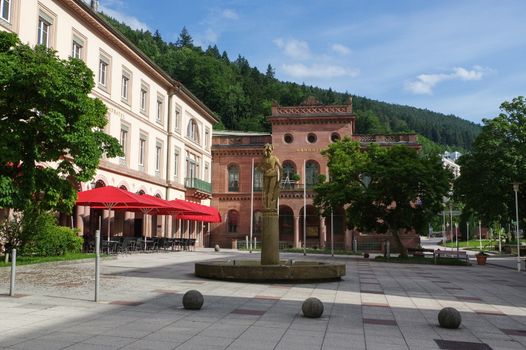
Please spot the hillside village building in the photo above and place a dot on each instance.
(164, 130)
(298, 135)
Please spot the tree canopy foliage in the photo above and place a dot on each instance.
(51, 131)
(242, 96)
(382, 189)
(497, 160)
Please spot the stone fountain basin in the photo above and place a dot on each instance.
(286, 271)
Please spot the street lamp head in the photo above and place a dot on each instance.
(516, 186)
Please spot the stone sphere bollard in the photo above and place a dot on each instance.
(193, 300)
(449, 317)
(216, 248)
(312, 308)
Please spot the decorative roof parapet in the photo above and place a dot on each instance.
(311, 107)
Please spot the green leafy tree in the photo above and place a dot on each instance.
(497, 160)
(50, 129)
(383, 189)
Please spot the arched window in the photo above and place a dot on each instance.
(233, 216)
(233, 178)
(258, 180)
(313, 170)
(99, 183)
(288, 176)
(192, 131)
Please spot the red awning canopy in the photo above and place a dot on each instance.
(112, 197)
(201, 212)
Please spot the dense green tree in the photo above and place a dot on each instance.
(50, 129)
(185, 39)
(383, 189)
(497, 160)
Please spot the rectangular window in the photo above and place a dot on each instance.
(5, 8)
(159, 112)
(144, 96)
(178, 114)
(125, 84)
(76, 50)
(207, 138)
(176, 162)
(158, 157)
(44, 31)
(123, 140)
(103, 72)
(142, 151)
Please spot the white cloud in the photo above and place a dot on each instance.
(133, 22)
(230, 14)
(299, 70)
(341, 49)
(211, 36)
(425, 83)
(293, 48)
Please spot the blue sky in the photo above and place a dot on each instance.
(462, 57)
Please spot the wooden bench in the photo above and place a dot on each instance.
(451, 254)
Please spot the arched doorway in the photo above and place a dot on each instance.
(286, 225)
(312, 227)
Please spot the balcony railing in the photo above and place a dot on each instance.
(192, 182)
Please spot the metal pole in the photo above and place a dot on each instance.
(332, 232)
(467, 234)
(480, 236)
(252, 207)
(109, 223)
(13, 273)
(304, 208)
(97, 264)
(451, 218)
(516, 189)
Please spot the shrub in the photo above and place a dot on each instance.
(57, 240)
(45, 238)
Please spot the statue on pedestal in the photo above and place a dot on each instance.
(271, 169)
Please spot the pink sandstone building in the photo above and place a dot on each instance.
(299, 134)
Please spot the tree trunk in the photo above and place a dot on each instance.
(399, 244)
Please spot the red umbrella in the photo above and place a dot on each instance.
(201, 212)
(110, 197)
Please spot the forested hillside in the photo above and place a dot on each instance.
(242, 96)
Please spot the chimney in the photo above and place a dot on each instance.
(95, 5)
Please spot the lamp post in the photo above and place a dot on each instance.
(516, 189)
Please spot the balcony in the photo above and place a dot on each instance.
(197, 184)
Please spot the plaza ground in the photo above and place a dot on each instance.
(376, 306)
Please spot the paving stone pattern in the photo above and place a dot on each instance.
(376, 306)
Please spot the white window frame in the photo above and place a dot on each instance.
(104, 72)
(159, 113)
(124, 139)
(158, 157)
(142, 151)
(192, 130)
(76, 49)
(144, 98)
(177, 159)
(6, 6)
(178, 118)
(44, 32)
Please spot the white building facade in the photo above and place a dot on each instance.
(164, 130)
